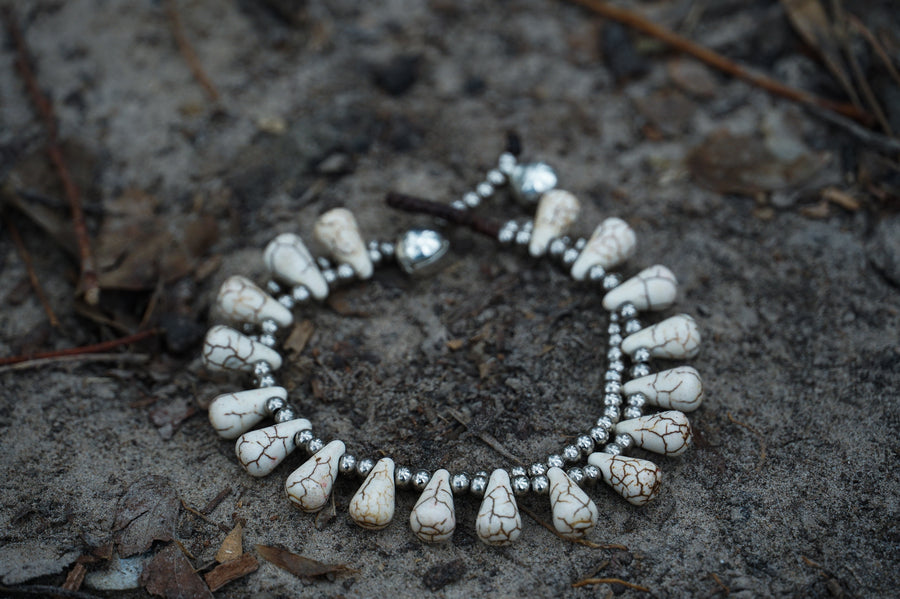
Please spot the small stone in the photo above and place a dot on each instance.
(498, 521)
(338, 232)
(556, 212)
(288, 259)
(233, 414)
(667, 433)
(373, 504)
(675, 338)
(653, 289)
(260, 451)
(309, 486)
(634, 479)
(677, 388)
(433, 519)
(612, 242)
(574, 514)
(225, 349)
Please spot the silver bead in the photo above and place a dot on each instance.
(315, 445)
(458, 205)
(632, 326)
(268, 340)
(268, 326)
(624, 441)
(506, 163)
(585, 444)
(557, 248)
(612, 375)
(330, 276)
(286, 301)
(537, 469)
(528, 225)
(632, 412)
(540, 484)
(345, 273)
(521, 485)
(615, 353)
(555, 461)
(516, 471)
(611, 281)
(569, 257)
(285, 414)
(613, 413)
(612, 387)
(638, 400)
(580, 243)
(273, 287)
(248, 328)
(596, 274)
(576, 474)
(388, 249)
(402, 476)
(302, 438)
(364, 466)
(460, 483)
(627, 310)
(617, 365)
(262, 368)
(523, 237)
(273, 404)
(604, 422)
(571, 453)
(420, 480)
(323, 263)
(612, 449)
(612, 399)
(347, 464)
(471, 199)
(495, 177)
(641, 354)
(639, 370)
(530, 181)
(300, 294)
(615, 340)
(591, 474)
(478, 485)
(599, 435)
(376, 256)
(266, 380)
(484, 190)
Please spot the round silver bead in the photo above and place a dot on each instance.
(376, 256)
(523, 237)
(611, 281)
(402, 476)
(612, 449)
(506, 236)
(471, 199)
(330, 276)
(268, 340)
(591, 474)
(632, 326)
(585, 444)
(612, 375)
(570, 256)
(285, 414)
(266, 380)
(624, 441)
(540, 484)
(641, 354)
(557, 248)
(555, 461)
(506, 163)
(612, 387)
(632, 412)
(248, 328)
(517, 471)
(528, 225)
(262, 368)
(345, 273)
(268, 326)
(596, 274)
(373, 244)
(612, 399)
(323, 263)
(614, 353)
(478, 485)
(617, 365)
(302, 438)
(638, 400)
(460, 483)
(604, 422)
(273, 404)
(599, 435)
(615, 340)
(495, 177)
(273, 287)
(521, 485)
(420, 479)
(613, 413)
(627, 310)
(346, 464)
(300, 294)
(576, 474)
(364, 466)
(640, 369)
(458, 205)
(530, 181)
(614, 328)
(580, 243)
(387, 249)
(537, 469)
(315, 445)
(484, 190)
(286, 301)
(571, 453)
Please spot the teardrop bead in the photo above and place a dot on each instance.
(240, 300)
(498, 521)
(653, 289)
(309, 486)
(556, 212)
(225, 349)
(372, 506)
(288, 259)
(677, 388)
(612, 242)
(634, 479)
(260, 451)
(574, 513)
(232, 414)
(675, 338)
(433, 519)
(338, 232)
(668, 433)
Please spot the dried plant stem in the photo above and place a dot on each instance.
(463, 218)
(187, 51)
(85, 349)
(32, 275)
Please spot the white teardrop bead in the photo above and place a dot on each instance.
(240, 300)
(556, 212)
(287, 259)
(338, 232)
(677, 388)
(668, 433)
(433, 518)
(498, 521)
(612, 243)
(675, 338)
(653, 288)
(372, 506)
(310, 485)
(260, 451)
(233, 414)
(225, 349)
(574, 514)
(634, 479)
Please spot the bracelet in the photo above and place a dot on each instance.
(297, 278)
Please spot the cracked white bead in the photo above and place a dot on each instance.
(260, 451)
(433, 518)
(288, 259)
(612, 242)
(574, 514)
(677, 388)
(675, 338)
(653, 289)
(556, 212)
(310, 485)
(634, 479)
(240, 300)
(668, 433)
(226, 349)
(498, 521)
(338, 232)
(372, 506)
(232, 414)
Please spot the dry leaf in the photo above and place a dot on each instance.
(232, 546)
(299, 336)
(225, 573)
(170, 574)
(297, 564)
(147, 512)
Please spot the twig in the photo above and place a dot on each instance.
(32, 276)
(876, 45)
(85, 349)
(204, 517)
(630, 585)
(584, 542)
(762, 439)
(89, 282)
(187, 51)
(873, 139)
(721, 584)
(464, 218)
(41, 362)
(215, 501)
(716, 60)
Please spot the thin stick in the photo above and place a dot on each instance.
(876, 45)
(41, 362)
(85, 349)
(187, 51)
(584, 542)
(630, 585)
(463, 218)
(89, 283)
(32, 276)
(635, 21)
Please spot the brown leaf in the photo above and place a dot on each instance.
(147, 512)
(170, 574)
(299, 336)
(232, 547)
(297, 564)
(225, 573)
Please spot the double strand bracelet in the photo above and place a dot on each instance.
(630, 385)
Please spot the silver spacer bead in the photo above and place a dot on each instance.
(639, 370)
(458, 205)
(624, 441)
(484, 190)
(612, 375)
(273, 404)
(540, 484)
(611, 281)
(364, 466)
(330, 276)
(537, 469)
(570, 256)
(302, 438)
(612, 387)
(268, 326)
(460, 483)
(375, 255)
(517, 471)
(557, 248)
(638, 400)
(627, 310)
(346, 464)
(285, 414)
(266, 380)
(388, 249)
(268, 340)
(420, 479)
(577, 475)
(571, 453)
(585, 444)
(479, 484)
(315, 445)
(286, 301)
(301, 294)
(528, 225)
(632, 412)
(599, 435)
(521, 485)
(323, 263)
(555, 461)
(612, 399)
(614, 413)
(495, 177)
(523, 237)
(471, 199)
(604, 422)
(596, 274)
(580, 243)
(615, 353)
(632, 326)
(641, 354)
(506, 163)
(615, 340)
(591, 474)
(617, 366)
(345, 273)
(273, 287)
(612, 449)
(402, 476)
(261, 369)
(507, 233)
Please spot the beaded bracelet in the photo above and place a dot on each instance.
(298, 278)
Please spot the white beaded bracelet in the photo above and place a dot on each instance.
(299, 278)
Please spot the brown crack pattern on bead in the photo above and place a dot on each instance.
(667, 433)
(574, 513)
(309, 486)
(498, 521)
(240, 300)
(288, 259)
(677, 388)
(225, 349)
(674, 338)
(232, 414)
(637, 480)
(338, 232)
(260, 451)
(652, 289)
(433, 519)
(372, 506)
(612, 242)
(556, 212)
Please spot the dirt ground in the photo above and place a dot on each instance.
(791, 488)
